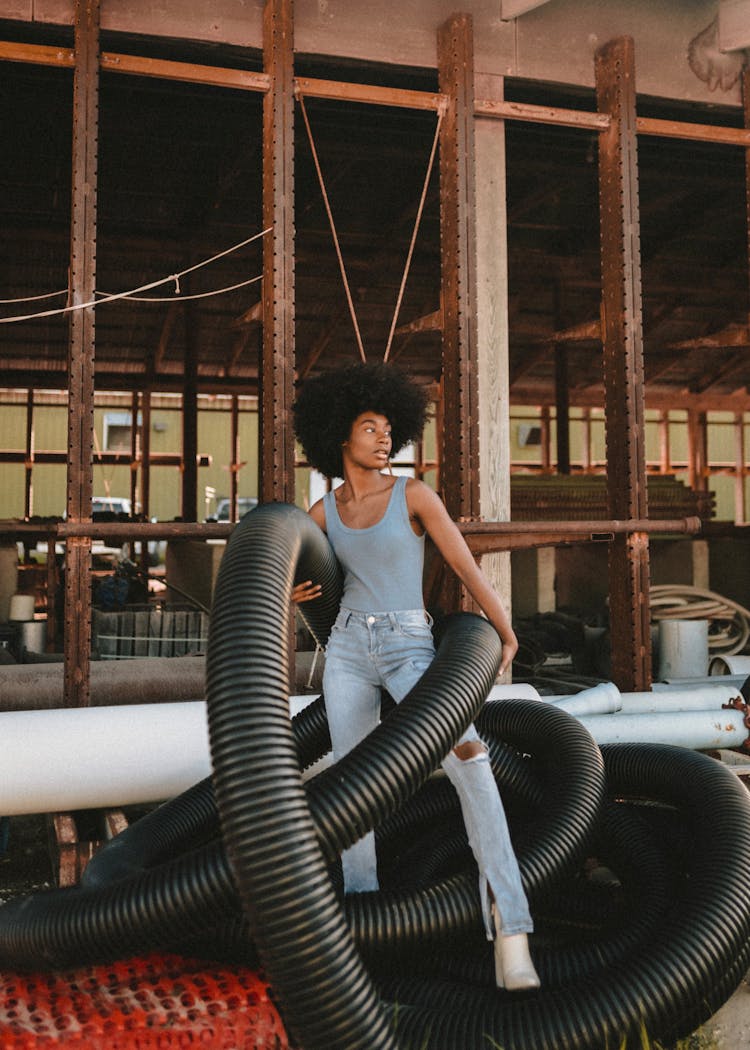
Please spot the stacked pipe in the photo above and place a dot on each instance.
(618, 848)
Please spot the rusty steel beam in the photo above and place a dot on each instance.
(459, 431)
(247, 80)
(562, 409)
(475, 531)
(370, 94)
(459, 435)
(277, 354)
(189, 501)
(234, 468)
(28, 495)
(622, 332)
(81, 350)
(122, 459)
(487, 537)
(146, 453)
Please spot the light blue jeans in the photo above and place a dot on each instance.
(370, 651)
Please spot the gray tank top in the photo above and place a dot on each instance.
(383, 563)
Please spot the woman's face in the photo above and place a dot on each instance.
(369, 442)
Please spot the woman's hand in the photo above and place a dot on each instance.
(510, 648)
(305, 592)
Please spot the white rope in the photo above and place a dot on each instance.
(184, 298)
(133, 291)
(33, 298)
(399, 299)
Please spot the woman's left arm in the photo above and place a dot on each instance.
(429, 511)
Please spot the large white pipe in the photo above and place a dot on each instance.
(710, 698)
(73, 758)
(602, 699)
(697, 730)
(735, 665)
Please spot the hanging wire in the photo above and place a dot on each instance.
(33, 298)
(430, 163)
(184, 298)
(143, 288)
(339, 256)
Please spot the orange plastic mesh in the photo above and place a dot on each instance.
(161, 1001)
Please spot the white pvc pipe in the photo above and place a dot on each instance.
(679, 684)
(516, 691)
(683, 648)
(602, 699)
(721, 665)
(710, 698)
(697, 730)
(72, 758)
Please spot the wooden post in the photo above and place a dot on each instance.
(623, 364)
(81, 352)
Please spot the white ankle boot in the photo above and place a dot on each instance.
(514, 969)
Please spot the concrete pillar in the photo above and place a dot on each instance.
(492, 326)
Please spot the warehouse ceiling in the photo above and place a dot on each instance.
(180, 182)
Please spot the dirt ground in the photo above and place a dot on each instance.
(730, 1026)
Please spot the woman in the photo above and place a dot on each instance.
(349, 421)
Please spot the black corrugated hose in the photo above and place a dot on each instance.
(281, 838)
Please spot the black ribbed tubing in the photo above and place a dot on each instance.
(191, 818)
(269, 829)
(673, 982)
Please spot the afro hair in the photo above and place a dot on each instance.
(328, 404)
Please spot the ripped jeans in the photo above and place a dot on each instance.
(367, 651)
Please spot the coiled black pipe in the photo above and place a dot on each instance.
(190, 819)
(300, 930)
(579, 1018)
(668, 985)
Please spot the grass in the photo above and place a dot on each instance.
(696, 1041)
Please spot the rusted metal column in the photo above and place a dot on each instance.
(234, 465)
(623, 363)
(459, 436)
(190, 422)
(134, 449)
(665, 449)
(276, 457)
(146, 453)
(697, 450)
(81, 351)
(546, 439)
(562, 414)
(28, 493)
(739, 468)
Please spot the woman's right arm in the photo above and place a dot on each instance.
(307, 590)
